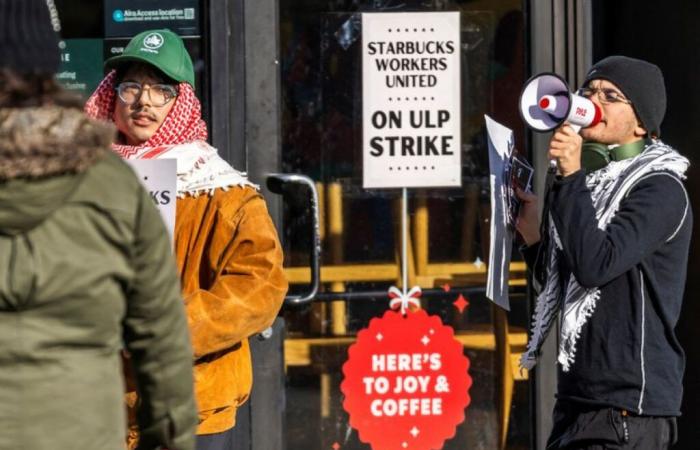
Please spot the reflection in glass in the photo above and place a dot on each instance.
(321, 77)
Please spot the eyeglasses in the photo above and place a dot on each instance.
(605, 95)
(159, 94)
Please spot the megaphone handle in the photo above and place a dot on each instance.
(553, 162)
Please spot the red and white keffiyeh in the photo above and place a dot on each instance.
(182, 136)
(183, 124)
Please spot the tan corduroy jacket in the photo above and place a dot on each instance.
(230, 264)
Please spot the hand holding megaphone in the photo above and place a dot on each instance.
(546, 103)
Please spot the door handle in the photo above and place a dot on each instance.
(279, 183)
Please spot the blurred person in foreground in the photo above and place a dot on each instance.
(85, 268)
(612, 260)
(228, 254)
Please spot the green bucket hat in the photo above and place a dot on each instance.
(162, 49)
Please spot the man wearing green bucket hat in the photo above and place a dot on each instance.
(228, 253)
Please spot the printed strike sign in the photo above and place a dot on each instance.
(411, 100)
(406, 384)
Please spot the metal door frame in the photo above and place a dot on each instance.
(245, 128)
(245, 87)
(560, 40)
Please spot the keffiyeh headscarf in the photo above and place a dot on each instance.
(182, 136)
(608, 186)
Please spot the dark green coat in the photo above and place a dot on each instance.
(86, 269)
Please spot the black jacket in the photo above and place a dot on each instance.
(627, 354)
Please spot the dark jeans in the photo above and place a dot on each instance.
(582, 427)
(216, 441)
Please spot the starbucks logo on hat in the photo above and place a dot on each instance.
(153, 41)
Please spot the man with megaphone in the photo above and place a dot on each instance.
(611, 258)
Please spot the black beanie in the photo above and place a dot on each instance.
(641, 82)
(29, 36)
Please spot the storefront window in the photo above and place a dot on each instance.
(321, 107)
(321, 126)
(92, 32)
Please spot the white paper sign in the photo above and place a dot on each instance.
(159, 176)
(500, 147)
(411, 100)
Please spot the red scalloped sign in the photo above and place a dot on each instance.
(406, 382)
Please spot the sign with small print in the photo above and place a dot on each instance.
(81, 65)
(126, 18)
(411, 100)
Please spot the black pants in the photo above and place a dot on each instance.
(216, 441)
(581, 427)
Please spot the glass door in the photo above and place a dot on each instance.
(321, 125)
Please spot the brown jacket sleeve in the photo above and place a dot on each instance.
(249, 286)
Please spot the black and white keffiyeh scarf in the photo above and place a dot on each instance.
(608, 187)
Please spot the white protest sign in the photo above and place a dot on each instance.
(411, 100)
(159, 176)
(500, 141)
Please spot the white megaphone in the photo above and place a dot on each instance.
(546, 103)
